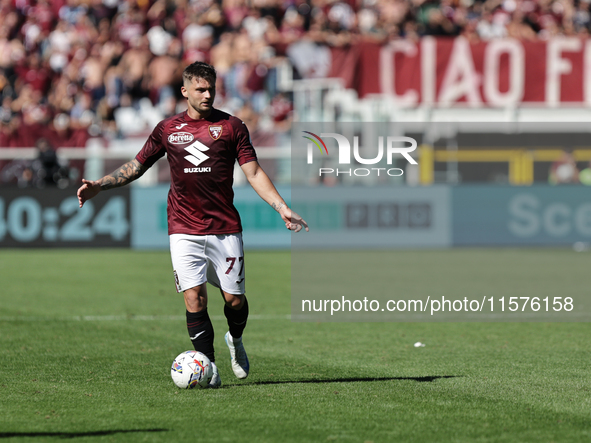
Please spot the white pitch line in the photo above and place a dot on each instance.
(132, 317)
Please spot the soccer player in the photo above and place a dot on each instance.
(202, 145)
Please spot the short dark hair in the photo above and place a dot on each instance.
(200, 70)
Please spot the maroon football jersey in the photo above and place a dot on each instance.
(201, 154)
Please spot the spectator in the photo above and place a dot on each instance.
(165, 78)
(439, 25)
(47, 170)
(581, 17)
(133, 66)
(519, 29)
(564, 170)
(490, 27)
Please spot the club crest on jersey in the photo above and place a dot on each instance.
(180, 138)
(215, 131)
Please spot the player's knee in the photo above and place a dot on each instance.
(234, 301)
(195, 299)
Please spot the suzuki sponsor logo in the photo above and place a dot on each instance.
(191, 170)
(180, 138)
(197, 157)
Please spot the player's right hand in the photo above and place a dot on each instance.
(88, 190)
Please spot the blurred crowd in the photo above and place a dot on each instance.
(67, 66)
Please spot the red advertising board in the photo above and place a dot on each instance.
(448, 72)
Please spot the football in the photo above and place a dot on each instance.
(191, 369)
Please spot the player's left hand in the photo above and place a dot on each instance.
(293, 221)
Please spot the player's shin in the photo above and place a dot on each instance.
(237, 319)
(201, 332)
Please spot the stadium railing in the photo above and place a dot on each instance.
(100, 160)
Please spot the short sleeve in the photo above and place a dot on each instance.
(244, 150)
(153, 149)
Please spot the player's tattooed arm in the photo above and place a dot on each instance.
(277, 206)
(127, 173)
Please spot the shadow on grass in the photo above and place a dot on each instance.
(429, 378)
(76, 434)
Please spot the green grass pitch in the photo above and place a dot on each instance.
(88, 337)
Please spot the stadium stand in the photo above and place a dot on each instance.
(72, 70)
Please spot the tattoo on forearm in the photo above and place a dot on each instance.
(277, 207)
(127, 173)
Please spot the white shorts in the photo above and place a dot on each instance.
(217, 259)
